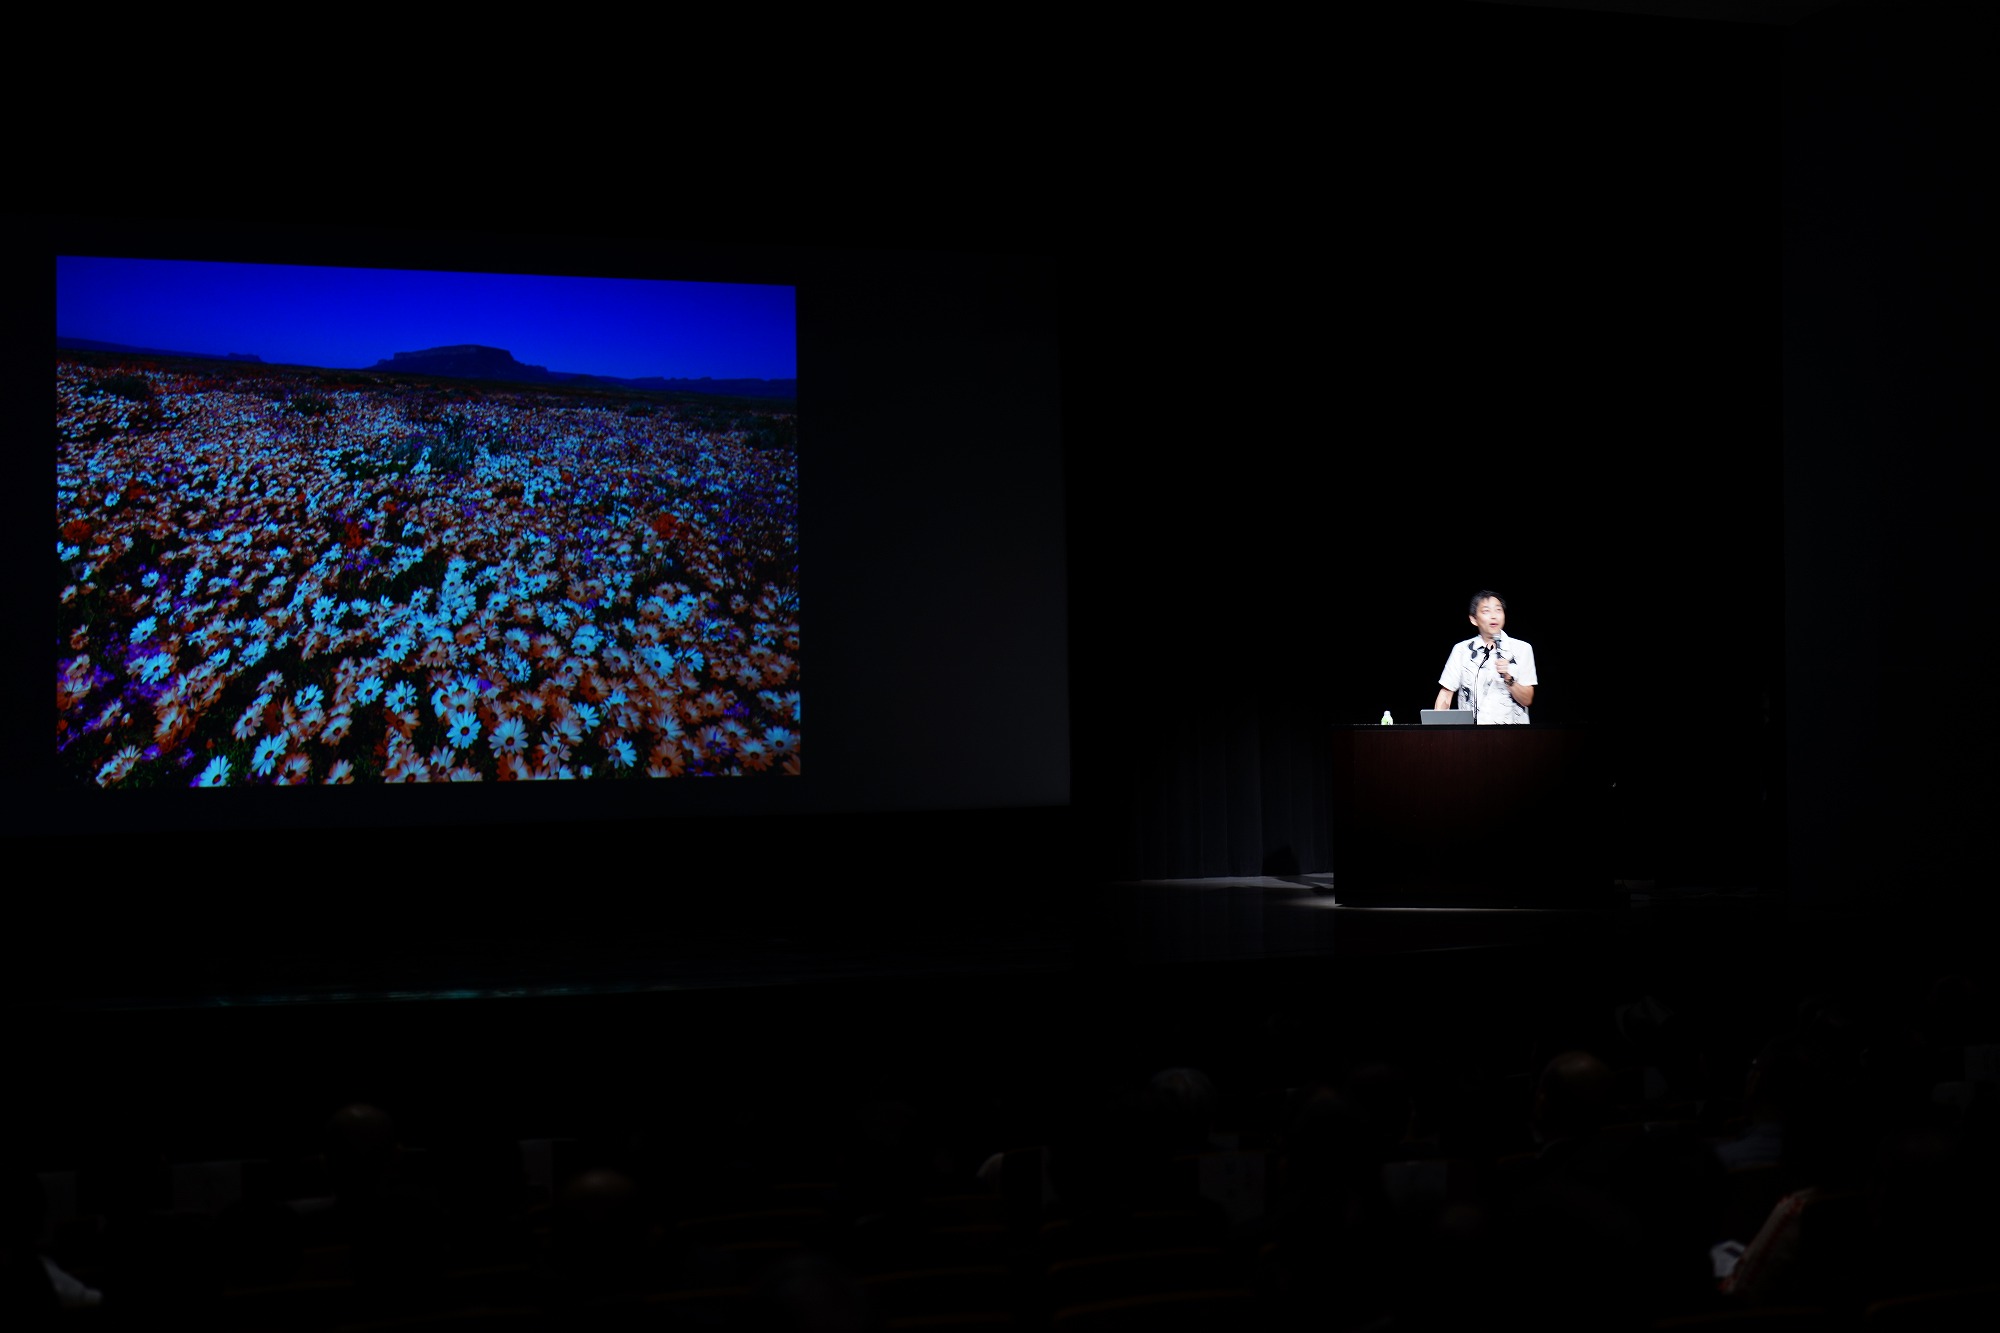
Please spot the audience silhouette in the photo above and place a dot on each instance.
(1650, 1163)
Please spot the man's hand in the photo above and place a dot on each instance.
(1505, 667)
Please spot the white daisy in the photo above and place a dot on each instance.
(510, 737)
(267, 754)
(118, 766)
(463, 730)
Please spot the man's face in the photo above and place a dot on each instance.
(1490, 618)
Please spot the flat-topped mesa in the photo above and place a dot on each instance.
(471, 361)
(463, 360)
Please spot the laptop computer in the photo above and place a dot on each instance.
(1447, 717)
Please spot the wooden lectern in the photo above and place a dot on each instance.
(1469, 817)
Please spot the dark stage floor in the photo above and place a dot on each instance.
(1158, 924)
(238, 1051)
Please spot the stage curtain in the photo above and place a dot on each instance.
(1231, 792)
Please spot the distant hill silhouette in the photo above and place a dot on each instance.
(470, 361)
(97, 345)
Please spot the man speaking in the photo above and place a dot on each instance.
(1490, 674)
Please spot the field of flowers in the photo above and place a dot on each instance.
(274, 577)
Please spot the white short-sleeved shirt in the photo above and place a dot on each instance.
(1468, 673)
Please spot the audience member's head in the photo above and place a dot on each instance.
(599, 1234)
(1180, 1108)
(1572, 1099)
(1331, 1158)
(1454, 1272)
(361, 1145)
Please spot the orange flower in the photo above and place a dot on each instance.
(668, 759)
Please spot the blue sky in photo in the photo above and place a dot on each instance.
(350, 318)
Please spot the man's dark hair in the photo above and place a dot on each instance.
(1482, 595)
(1573, 1096)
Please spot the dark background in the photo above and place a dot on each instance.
(1666, 329)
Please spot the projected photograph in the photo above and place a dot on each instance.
(325, 525)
